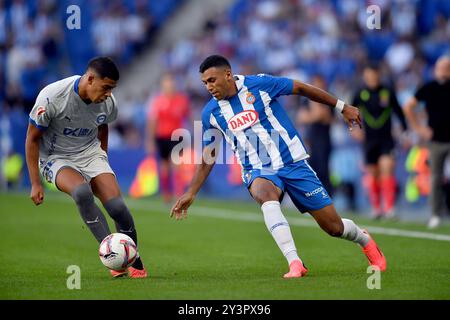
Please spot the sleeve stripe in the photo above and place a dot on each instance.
(291, 86)
(42, 128)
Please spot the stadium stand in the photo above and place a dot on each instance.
(297, 38)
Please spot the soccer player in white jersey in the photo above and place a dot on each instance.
(67, 141)
(245, 110)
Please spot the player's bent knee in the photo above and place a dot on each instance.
(262, 195)
(83, 194)
(265, 196)
(335, 229)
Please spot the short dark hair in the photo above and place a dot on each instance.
(372, 65)
(104, 67)
(214, 61)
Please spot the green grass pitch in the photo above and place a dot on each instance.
(222, 251)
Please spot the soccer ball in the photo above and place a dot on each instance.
(117, 251)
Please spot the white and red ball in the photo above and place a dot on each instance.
(117, 251)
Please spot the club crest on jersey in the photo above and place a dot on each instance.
(40, 110)
(101, 118)
(243, 120)
(250, 98)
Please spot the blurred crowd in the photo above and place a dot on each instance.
(37, 47)
(300, 39)
(303, 38)
(295, 38)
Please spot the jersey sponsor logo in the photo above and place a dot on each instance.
(40, 110)
(101, 118)
(243, 120)
(77, 132)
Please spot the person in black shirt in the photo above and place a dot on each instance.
(319, 118)
(436, 96)
(377, 102)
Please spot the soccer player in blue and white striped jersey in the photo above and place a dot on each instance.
(245, 110)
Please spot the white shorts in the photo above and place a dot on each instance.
(88, 167)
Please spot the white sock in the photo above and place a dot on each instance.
(353, 233)
(280, 230)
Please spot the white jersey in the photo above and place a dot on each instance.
(70, 125)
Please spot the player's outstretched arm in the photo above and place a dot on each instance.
(202, 171)
(32, 158)
(351, 114)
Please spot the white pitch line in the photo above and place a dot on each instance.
(211, 212)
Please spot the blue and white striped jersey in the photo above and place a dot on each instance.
(255, 124)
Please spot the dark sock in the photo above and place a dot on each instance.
(137, 264)
(90, 213)
(124, 223)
